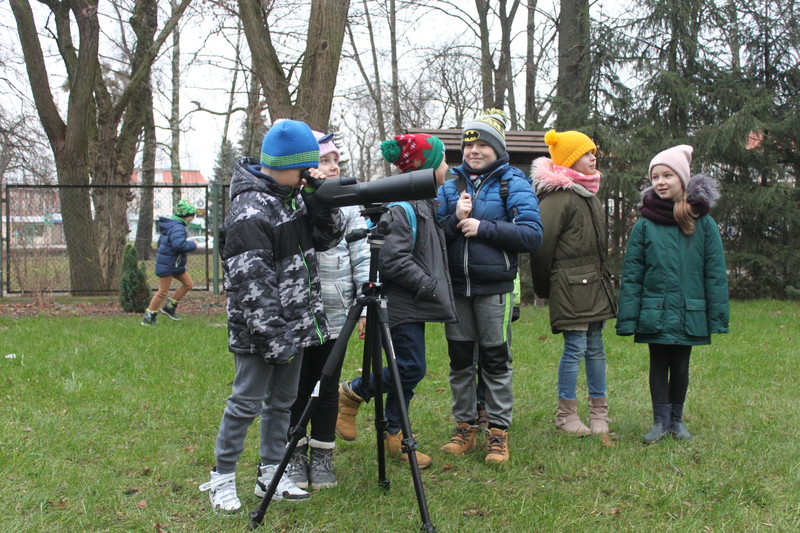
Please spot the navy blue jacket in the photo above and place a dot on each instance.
(172, 247)
(487, 263)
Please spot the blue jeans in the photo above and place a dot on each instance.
(408, 341)
(580, 345)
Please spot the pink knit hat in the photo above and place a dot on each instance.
(678, 158)
(326, 145)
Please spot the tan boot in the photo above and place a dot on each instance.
(598, 415)
(567, 418)
(394, 447)
(497, 446)
(349, 402)
(463, 439)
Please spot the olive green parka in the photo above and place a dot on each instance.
(569, 267)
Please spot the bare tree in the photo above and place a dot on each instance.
(175, 112)
(319, 63)
(93, 144)
(538, 43)
(495, 64)
(372, 83)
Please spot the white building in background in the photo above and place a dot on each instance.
(162, 199)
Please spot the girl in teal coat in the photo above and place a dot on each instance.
(674, 291)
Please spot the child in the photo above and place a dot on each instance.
(570, 269)
(171, 262)
(489, 214)
(413, 271)
(274, 307)
(342, 272)
(674, 291)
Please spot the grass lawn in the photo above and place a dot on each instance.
(110, 426)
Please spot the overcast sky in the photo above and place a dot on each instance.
(208, 81)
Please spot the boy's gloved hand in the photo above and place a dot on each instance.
(315, 208)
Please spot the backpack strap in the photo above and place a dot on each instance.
(412, 220)
(461, 186)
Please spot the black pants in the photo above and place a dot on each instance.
(323, 419)
(669, 373)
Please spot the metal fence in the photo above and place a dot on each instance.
(34, 256)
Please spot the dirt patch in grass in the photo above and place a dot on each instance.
(195, 303)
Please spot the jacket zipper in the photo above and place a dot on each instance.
(308, 279)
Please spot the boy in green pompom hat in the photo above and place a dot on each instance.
(171, 262)
(416, 282)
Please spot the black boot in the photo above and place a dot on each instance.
(676, 427)
(660, 423)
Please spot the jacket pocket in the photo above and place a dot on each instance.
(583, 292)
(651, 316)
(696, 317)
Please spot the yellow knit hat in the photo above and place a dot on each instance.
(568, 146)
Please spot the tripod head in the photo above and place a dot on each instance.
(378, 225)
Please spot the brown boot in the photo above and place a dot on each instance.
(349, 403)
(598, 415)
(463, 439)
(497, 446)
(567, 418)
(394, 447)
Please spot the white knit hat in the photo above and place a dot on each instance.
(678, 158)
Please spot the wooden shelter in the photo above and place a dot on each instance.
(523, 146)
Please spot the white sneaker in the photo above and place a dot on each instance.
(222, 492)
(286, 490)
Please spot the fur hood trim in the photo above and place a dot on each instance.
(701, 188)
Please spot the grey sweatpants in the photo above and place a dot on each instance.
(256, 384)
(484, 320)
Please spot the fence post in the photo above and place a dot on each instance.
(3, 228)
(216, 199)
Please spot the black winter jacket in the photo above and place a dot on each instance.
(416, 283)
(270, 266)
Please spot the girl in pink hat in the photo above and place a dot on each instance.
(674, 291)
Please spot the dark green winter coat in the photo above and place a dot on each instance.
(674, 286)
(569, 267)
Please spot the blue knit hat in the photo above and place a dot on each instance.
(289, 144)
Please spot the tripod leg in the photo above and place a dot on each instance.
(409, 444)
(298, 431)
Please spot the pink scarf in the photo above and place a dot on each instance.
(590, 183)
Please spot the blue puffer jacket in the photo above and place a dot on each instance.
(487, 264)
(172, 247)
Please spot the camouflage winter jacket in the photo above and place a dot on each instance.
(269, 243)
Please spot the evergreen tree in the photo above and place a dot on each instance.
(133, 290)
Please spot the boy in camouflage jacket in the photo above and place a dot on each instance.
(269, 242)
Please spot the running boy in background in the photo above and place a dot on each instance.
(489, 214)
(171, 263)
(269, 242)
(413, 270)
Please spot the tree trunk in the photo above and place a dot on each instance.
(373, 84)
(320, 61)
(144, 230)
(87, 147)
(175, 115)
(572, 97)
(531, 121)
(487, 65)
(70, 140)
(396, 121)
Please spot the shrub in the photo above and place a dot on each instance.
(133, 289)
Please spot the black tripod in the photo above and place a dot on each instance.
(377, 336)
